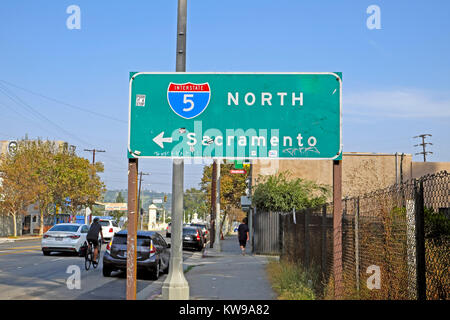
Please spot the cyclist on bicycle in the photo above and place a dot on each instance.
(92, 235)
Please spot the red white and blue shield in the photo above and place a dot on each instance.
(188, 100)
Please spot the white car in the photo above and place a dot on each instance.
(64, 237)
(109, 228)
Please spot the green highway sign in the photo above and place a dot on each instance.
(235, 115)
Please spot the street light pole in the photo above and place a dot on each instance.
(176, 287)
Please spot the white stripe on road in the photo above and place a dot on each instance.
(57, 259)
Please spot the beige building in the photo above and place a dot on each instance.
(361, 172)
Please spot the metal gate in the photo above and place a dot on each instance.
(266, 237)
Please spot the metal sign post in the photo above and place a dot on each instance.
(218, 230)
(337, 229)
(132, 229)
(176, 287)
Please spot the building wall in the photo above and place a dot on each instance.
(361, 172)
(7, 225)
(420, 169)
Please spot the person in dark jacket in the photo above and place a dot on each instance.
(243, 236)
(92, 236)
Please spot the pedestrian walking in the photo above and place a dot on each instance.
(243, 236)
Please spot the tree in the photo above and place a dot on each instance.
(117, 214)
(195, 202)
(78, 181)
(43, 172)
(41, 156)
(232, 187)
(17, 187)
(281, 193)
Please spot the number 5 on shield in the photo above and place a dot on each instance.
(185, 100)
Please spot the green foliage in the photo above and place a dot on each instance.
(232, 186)
(291, 281)
(47, 173)
(117, 214)
(279, 193)
(437, 225)
(195, 202)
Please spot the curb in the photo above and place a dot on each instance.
(3, 240)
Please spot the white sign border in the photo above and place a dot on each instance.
(135, 156)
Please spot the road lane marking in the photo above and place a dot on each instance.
(57, 259)
(17, 252)
(19, 248)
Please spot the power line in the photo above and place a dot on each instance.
(424, 144)
(65, 103)
(21, 102)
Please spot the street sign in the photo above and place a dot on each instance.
(246, 202)
(157, 200)
(238, 171)
(235, 115)
(113, 206)
(12, 147)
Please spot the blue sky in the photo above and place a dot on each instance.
(73, 84)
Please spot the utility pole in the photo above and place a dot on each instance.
(93, 162)
(175, 287)
(93, 153)
(139, 194)
(423, 144)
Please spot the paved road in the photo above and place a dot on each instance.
(25, 273)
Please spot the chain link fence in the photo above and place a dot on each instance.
(395, 242)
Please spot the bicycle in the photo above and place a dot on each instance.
(89, 256)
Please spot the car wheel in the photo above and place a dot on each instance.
(106, 272)
(156, 271)
(166, 270)
(46, 253)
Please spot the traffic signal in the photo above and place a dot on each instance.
(165, 198)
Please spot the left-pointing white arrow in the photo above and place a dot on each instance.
(159, 139)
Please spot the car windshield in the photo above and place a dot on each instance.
(189, 231)
(141, 241)
(199, 225)
(104, 223)
(65, 228)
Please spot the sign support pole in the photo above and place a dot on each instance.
(212, 227)
(132, 228)
(337, 229)
(218, 230)
(176, 287)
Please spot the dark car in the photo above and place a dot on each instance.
(192, 238)
(168, 232)
(153, 253)
(204, 228)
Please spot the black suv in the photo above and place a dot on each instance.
(153, 253)
(193, 238)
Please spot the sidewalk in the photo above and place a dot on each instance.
(19, 238)
(227, 275)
